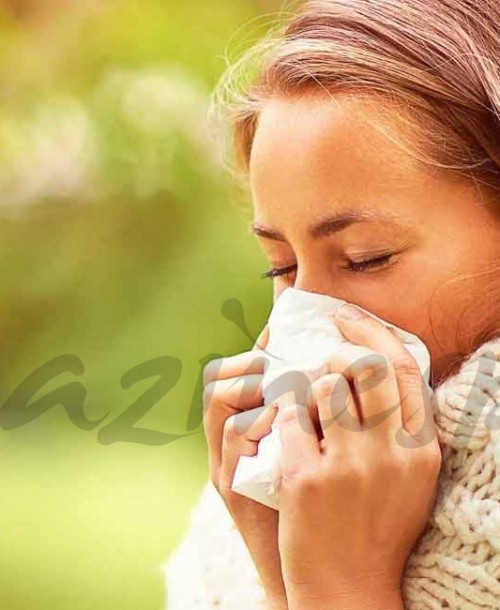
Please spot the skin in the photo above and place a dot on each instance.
(314, 157)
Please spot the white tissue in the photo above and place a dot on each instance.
(302, 334)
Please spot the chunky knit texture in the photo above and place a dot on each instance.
(456, 563)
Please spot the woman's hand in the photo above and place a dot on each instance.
(234, 422)
(353, 504)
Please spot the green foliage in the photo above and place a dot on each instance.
(120, 243)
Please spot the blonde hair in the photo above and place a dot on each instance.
(437, 59)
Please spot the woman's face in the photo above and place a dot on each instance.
(342, 206)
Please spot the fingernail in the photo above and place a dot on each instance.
(349, 312)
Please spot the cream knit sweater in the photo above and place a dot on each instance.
(456, 563)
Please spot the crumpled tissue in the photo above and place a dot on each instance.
(302, 334)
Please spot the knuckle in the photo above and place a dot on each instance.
(211, 370)
(208, 393)
(327, 385)
(287, 414)
(348, 358)
(348, 469)
(390, 464)
(260, 362)
(308, 484)
(302, 484)
(371, 369)
(229, 431)
(245, 420)
(378, 362)
(407, 368)
(431, 457)
(358, 470)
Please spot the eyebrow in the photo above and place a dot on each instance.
(329, 225)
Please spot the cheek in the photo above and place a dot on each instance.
(463, 308)
(456, 322)
(414, 299)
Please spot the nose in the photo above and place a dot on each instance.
(314, 281)
(312, 276)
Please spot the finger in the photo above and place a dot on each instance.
(245, 363)
(255, 423)
(222, 399)
(416, 433)
(235, 394)
(413, 390)
(374, 386)
(241, 436)
(300, 450)
(336, 409)
(351, 419)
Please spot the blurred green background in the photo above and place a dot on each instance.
(121, 240)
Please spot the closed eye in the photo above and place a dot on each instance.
(352, 266)
(277, 271)
(368, 264)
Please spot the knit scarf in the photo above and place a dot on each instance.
(456, 562)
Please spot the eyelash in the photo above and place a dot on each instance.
(351, 266)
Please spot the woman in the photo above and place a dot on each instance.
(371, 143)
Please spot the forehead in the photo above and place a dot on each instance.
(315, 152)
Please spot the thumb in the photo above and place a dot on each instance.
(348, 311)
